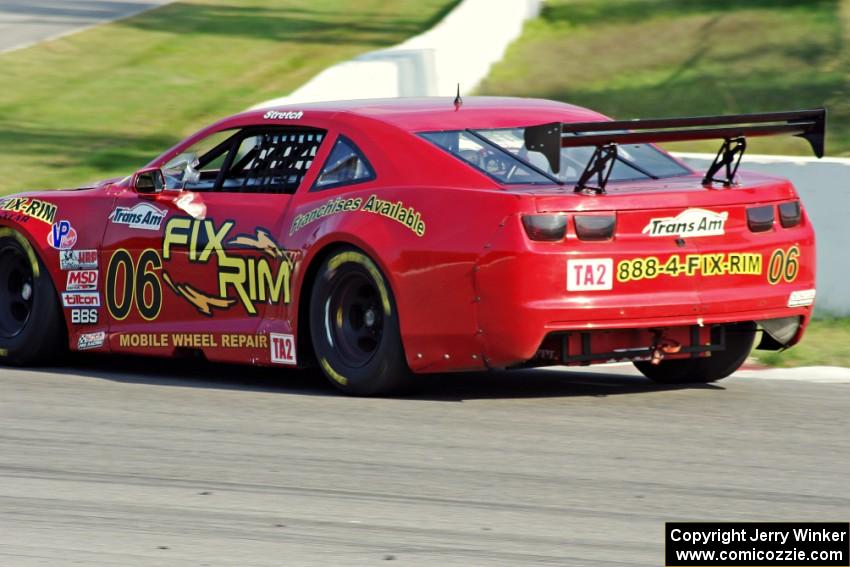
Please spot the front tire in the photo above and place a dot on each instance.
(739, 344)
(31, 325)
(354, 326)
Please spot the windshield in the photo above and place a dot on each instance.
(502, 154)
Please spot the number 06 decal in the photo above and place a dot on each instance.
(783, 265)
(129, 283)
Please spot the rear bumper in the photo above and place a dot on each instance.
(524, 296)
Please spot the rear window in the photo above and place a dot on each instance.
(502, 154)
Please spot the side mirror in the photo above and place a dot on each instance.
(149, 181)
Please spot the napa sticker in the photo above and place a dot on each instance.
(62, 235)
(692, 222)
(142, 216)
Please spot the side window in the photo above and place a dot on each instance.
(345, 165)
(270, 161)
(197, 167)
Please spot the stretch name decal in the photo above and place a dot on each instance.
(394, 210)
(718, 264)
(690, 223)
(288, 115)
(33, 208)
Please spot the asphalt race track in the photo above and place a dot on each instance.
(133, 462)
(25, 22)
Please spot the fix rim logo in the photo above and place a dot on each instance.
(251, 269)
(688, 223)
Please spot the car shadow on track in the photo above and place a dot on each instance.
(456, 387)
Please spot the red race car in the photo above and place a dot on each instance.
(381, 239)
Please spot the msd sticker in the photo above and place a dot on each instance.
(692, 222)
(62, 235)
(283, 349)
(81, 280)
(595, 274)
(78, 259)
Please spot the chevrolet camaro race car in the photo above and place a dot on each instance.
(386, 238)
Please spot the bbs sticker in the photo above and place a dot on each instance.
(84, 316)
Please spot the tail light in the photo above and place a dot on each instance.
(789, 214)
(760, 219)
(595, 227)
(545, 228)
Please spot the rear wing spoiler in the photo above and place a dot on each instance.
(733, 129)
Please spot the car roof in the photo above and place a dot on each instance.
(440, 113)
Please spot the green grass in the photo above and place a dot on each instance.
(648, 58)
(105, 101)
(826, 342)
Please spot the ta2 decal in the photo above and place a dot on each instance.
(590, 275)
(283, 349)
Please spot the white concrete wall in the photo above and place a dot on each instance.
(824, 187)
(459, 49)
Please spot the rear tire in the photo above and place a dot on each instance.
(31, 326)
(354, 327)
(739, 344)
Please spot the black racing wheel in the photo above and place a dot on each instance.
(354, 326)
(739, 344)
(31, 326)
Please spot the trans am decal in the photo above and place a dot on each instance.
(143, 216)
(719, 264)
(395, 210)
(30, 208)
(692, 222)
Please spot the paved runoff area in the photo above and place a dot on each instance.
(27, 22)
(136, 462)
